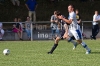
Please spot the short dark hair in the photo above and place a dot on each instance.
(71, 5)
(57, 12)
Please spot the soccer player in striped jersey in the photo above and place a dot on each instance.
(64, 34)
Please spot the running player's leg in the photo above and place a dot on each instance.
(78, 36)
(55, 45)
(69, 37)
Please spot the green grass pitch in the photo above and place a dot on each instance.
(34, 53)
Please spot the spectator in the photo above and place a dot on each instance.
(20, 28)
(28, 27)
(1, 31)
(55, 26)
(15, 2)
(17, 28)
(95, 26)
(78, 17)
(31, 6)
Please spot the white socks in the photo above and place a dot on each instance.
(85, 46)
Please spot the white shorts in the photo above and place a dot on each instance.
(1, 31)
(76, 33)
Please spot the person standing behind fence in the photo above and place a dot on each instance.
(28, 27)
(20, 28)
(95, 26)
(1, 31)
(31, 6)
(78, 17)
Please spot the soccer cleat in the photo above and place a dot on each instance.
(88, 52)
(49, 52)
(74, 47)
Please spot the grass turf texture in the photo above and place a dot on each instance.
(26, 53)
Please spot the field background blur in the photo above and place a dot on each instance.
(45, 9)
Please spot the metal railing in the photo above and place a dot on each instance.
(44, 22)
(39, 22)
(85, 22)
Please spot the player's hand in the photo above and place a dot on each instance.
(60, 17)
(56, 21)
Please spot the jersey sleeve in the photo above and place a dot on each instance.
(52, 17)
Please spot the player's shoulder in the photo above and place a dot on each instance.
(52, 15)
(72, 13)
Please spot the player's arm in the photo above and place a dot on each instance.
(64, 19)
(52, 21)
(66, 31)
(67, 21)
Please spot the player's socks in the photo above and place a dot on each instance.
(73, 42)
(53, 48)
(85, 46)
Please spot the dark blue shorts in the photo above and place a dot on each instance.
(62, 32)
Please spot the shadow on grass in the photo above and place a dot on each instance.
(95, 52)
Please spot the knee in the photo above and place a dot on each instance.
(69, 39)
(79, 41)
(57, 40)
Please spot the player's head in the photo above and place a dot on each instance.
(57, 13)
(96, 12)
(76, 11)
(70, 8)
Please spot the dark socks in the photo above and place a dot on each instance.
(53, 48)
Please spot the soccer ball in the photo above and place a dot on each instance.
(6, 51)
